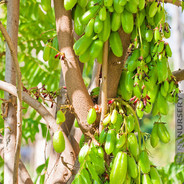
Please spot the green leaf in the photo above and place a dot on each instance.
(40, 168)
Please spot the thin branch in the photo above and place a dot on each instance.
(24, 176)
(19, 102)
(177, 2)
(95, 76)
(179, 74)
(104, 84)
(50, 120)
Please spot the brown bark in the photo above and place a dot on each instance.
(76, 88)
(115, 66)
(177, 2)
(179, 74)
(10, 76)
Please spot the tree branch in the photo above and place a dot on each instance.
(104, 85)
(76, 89)
(19, 102)
(50, 121)
(115, 66)
(177, 2)
(179, 74)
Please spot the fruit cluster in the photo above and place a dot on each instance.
(127, 161)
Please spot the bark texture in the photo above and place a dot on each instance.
(10, 76)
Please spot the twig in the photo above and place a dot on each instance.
(177, 2)
(19, 102)
(104, 85)
(179, 74)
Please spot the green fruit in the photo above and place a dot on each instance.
(153, 9)
(105, 33)
(69, 4)
(82, 3)
(132, 60)
(162, 70)
(89, 14)
(116, 21)
(85, 57)
(149, 35)
(166, 85)
(83, 152)
(133, 145)
(91, 116)
(130, 123)
(76, 123)
(116, 44)
(78, 26)
(163, 133)
(127, 21)
(100, 152)
(86, 177)
(129, 82)
(95, 49)
(58, 142)
(102, 14)
(140, 18)
(114, 116)
(110, 142)
(108, 3)
(119, 168)
(89, 28)
(167, 33)
(122, 89)
(131, 6)
(82, 44)
(132, 167)
(122, 2)
(102, 136)
(46, 52)
(118, 123)
(155, 177)
(154, 139)
(121, 141)
(60, 117)
(145, 49)
(46, 5)
(117, 7)
(168, 50)
(157, 35)
(162, 104)
(98, 25)
(146, 179)
(144, 162)
(160, 47)
(82, 140)
(107, 119)
(141, 4)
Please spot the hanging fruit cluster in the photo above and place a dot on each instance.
(119, 143)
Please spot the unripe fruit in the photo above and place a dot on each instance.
(58, 142)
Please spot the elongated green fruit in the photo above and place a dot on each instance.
(102, 14)
(127, 21)
(114, 116)
(83, 152)
(116, 21)
(129, 82)
(144, 162)
(107, 120)
(98, 25)
(133, 145)
(154, 139)
(119, 168)
(163, 133)
(89, 14)
(155, 177)
(132, 167)
(146, 179)
(82, 44)
(117, 7)
(58, 142)
(46, 52)
(153, 9)
(96, 48)
(110, 142)
(85, 57)
(102, 136)
(78, 26)
(116, 44)
(82, 3)
(91, 116)
(105, 33)
(89, 28)
(69, 4)
(60, 117)
(108, 2)
(121, 141)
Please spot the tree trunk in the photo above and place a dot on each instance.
(10, 76)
